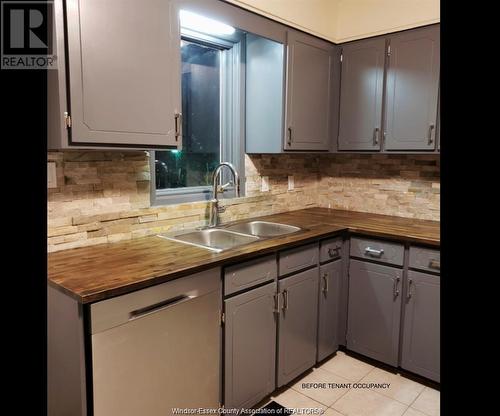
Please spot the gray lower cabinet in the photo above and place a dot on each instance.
(374, 311)
(328, 319)
(297, 330)
(412, 90)
(124, 73)
(250, 346)
(361, 92)
(421, 333)
(309, 95)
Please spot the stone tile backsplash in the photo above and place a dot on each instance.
(105, 196)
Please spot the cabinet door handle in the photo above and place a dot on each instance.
(372, 252)
(277, 306)
(289, 136)
(325, 278)
(396, 287)
(431, 135)
(376, 135)
(435, 264)
(333, 252)
(178, 126)
(285, 299)
(408, 290)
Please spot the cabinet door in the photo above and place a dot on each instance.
(361, 94)
(329, 297)
(309, 93)
(297, 324)
(374, 311)
(421, 339)
(124, 71)
(412, 90)
(250, 347)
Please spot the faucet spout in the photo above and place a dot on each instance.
(214, 202)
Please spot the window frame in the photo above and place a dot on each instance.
(232, 123)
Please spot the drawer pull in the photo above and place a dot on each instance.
(374, 253)
(408, 291)
(396, 287)
(160, 306)
(325, 278)
(435, 264)
(334, 251)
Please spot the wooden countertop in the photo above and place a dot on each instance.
(90, 274)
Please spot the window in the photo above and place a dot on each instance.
(211, 123)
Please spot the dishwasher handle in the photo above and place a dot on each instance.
(160, 306)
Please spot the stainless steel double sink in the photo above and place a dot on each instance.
(226, 237)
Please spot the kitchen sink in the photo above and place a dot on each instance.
(215, 239)
(263, 228)
(225, 237)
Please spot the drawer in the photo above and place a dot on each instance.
(379, 250)
(425, 259)
(250, 273)
(330, 249)
(299, 258)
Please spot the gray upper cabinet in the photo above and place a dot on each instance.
(361, 93)
(329, 297)
(412, 90)
(421, 334)
(124, 73)
(250, 347)
(297, 333)
(374, 311)
(309, 95)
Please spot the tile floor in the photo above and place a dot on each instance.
(404, 397)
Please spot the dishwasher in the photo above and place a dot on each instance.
(158, 349)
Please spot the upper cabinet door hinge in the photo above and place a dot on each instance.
(341, 56)
(389, 50)
(67, 120)
(222, 318)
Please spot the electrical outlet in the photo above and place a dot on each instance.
(51, 175)
(264, 184)
(291, 183)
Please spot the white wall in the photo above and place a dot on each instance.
(314, 16)
(364, 18)
(343, 20)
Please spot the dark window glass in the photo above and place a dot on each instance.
(200, 154)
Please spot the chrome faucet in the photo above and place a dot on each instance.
(213, 220)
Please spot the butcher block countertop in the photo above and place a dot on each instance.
(95, 273)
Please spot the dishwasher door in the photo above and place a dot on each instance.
(158, 348)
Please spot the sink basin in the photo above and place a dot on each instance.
(264, 228)
(215, 239)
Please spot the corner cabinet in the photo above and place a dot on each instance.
(389, 93)
(122, 75)
(309, 94)
(412, 90)
(329, 297)
(374, 311)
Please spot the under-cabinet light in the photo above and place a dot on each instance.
(193, 21)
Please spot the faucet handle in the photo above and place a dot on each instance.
(221, 209)
(222, 188)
